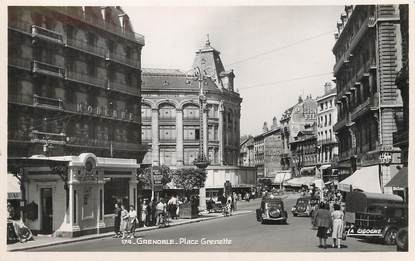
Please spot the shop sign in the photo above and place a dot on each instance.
(14, 195)
(157, 177)
(365, 231)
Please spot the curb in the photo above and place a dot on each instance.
(111, 233)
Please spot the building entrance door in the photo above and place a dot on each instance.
(46, 210)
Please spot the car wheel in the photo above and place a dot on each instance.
(390, 236)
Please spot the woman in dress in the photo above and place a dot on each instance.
(124, 221)
(337, 217)
(322, 221)
(144, 213)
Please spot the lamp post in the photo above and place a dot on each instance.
(202, 161)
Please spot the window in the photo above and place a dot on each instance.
(115, 191)
(330, 119)
(145, 112)
(167, 112)
(91, 39)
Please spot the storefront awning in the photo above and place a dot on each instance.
(325, 166)
(281, 177)
(301, 181)
(13, 187)
(307, 169)
(400, 179)
(365, 179)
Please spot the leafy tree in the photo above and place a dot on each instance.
(189, 179)
(144, 175)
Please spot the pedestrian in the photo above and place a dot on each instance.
(132, 221)
(337, 218)
(117, 220)
(153, 212)
(160, 211)
(235, 199)
(179, 202)
(143, 213)
(322, 220)
(124, 221)
(172, 206)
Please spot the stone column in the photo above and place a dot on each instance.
(155, 153)
(179, 137)
(221, 134)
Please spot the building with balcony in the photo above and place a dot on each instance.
(295, 119)
(304, 151)
(171, 117)
(74, 89)
(326, 140)
(367, 51)
(401, 136)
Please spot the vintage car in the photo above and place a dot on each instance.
(375, 216)
(271, 209)
(305, 206)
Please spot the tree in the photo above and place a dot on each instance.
(189, 179)
(144, 175)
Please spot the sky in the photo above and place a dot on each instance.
(277, 52)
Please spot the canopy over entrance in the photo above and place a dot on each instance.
(365, 179)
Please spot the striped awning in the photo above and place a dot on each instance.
(13, 187)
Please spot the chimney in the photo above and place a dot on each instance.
(300, 99)
(274, 123)
(265, 127)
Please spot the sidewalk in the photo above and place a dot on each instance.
(44, 241)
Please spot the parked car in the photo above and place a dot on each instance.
(375, 215)
(271, 209)
(305, 206)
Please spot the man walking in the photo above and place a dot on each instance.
(117, 220)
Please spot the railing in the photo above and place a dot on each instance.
(371, 103)
(20, 62)
(168, 140)
(120, 58)
(46, 34)
(47, 137)
(326, 141)
(47, 68)
(47, 102)
(100, 51)
(146, 118)
(121, 87)
(118, 30)
(81, 77)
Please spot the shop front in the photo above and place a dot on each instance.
(78, 197)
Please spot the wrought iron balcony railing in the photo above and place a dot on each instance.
(47, 137)
(85, 78)
(123, 59)
(46, 34)
(49, 69)
(40, 101)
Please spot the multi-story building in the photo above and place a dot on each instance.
(401, 136)
(171, 118)
(74, 89)
(246, 154)
(304, 151)
(294, 120)
(326, 140)
(367, 51)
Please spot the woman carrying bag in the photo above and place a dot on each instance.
(322, 220)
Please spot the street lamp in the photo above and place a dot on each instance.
(201, 161)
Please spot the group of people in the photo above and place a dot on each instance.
(125, 222)
(148, 213)
(329, 224)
